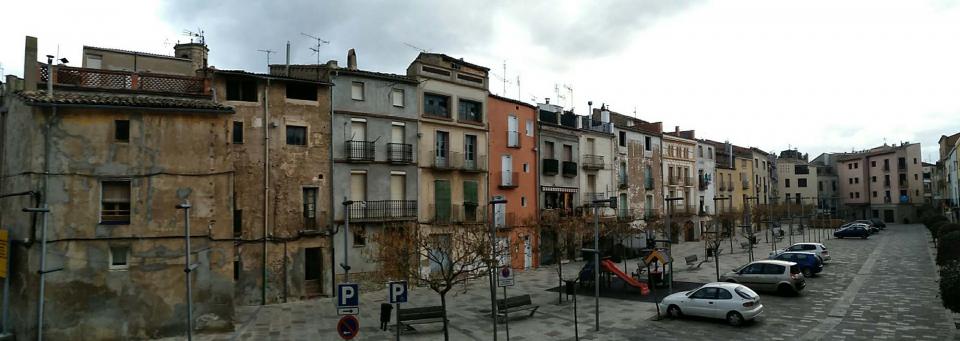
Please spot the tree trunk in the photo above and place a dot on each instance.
(443, 306)
(556, 257)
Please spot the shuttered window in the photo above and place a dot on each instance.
(115, 202)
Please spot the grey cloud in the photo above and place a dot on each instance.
(379, 29)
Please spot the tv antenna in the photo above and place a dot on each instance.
(320, 42)
(268, 52)
(570, 92)
(504, 79)
(416, 48)
(198, 34)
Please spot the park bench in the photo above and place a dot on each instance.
(745, 245)
(419, 315)
(692, 261)
(515, 304)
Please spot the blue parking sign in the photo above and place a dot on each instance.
(348, 295)
(397, 292)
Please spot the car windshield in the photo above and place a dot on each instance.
(746, 292)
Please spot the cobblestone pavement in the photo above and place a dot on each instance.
(881, 288)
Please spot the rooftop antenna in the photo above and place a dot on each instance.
(320, 42)
(267, 52)
(518, 86)
(196, 34)
(570, 92)
(416, 48)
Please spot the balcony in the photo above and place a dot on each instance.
(384, 210)
(903, 183)
(592, 162)
(746, 184)
(77, 77)
(569, 169)
(886, 200)
(886, 168)
(445, 160)
(722, 187)
(625, 214)
(688, 181)
(400, 153)
(508, 179)
(673, 180)
(703, 183)
(594, 125)
(886, 183)
(550, 166)
(568, 120)
(513, 139)
(650, 213)
(589, 197)
(623, 181)
(457, 214)
(359, 151)
(902, 167)
(475, 163)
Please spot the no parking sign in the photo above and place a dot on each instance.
(505, 277)
(348, 327)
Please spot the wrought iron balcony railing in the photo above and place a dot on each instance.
(401, 153)
(569, 169)
(508, 179)
(383, 210)
(592, 162)
(550, 166)
(359, 151)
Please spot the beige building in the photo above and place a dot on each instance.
(679, 171)
(453, 141)
(798, 178)
(111, 160)
(883, 183)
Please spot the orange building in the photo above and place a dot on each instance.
(513, 176)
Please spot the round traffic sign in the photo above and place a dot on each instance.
(348, 327)
(505, 272)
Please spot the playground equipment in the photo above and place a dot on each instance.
(609, 267)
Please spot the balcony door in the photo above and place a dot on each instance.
(513, 134)
(441, 197)
(470, 151)
(396, 134)
(358, 193)
(398, 194)
(442, 146)
(506, 166)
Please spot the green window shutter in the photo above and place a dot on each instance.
(442, 199)
(470, 192)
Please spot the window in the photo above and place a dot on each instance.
(309, 208)
(801, 182)
(710, 153)
(396, 96)
(296, 135)
(470, 148)
(121, 130)
(548, 150)
(646, 143)
(850, 180)
(302, 91)
(801, 169)
(115, 202)
(623, 139)
(119, 257)
(470, 111)
(786, 183)
(356, 91)
(851, 195)
(359, 236)
(849, 166)
(241, 90)
(873, 163)
(723, 294)
(436, 105)
(856, 180)
(526, 168)
(567, 152)
(529, 127)
(873, 178)
(93, 61)
(874, 194)
(237, 132)
(237, 223)
(858, 195)
(700, 151)
(856, 165)
(523, 201)
(820, 185)
(705, 293)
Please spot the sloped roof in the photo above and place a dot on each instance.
(458, 60)
(622, 121)
(66, 98)
(148, 54)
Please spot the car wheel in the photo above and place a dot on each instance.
(734, 319)
(807, 272)
(864, 237)
(785, 289)
(674, 311)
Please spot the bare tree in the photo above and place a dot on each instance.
(456, 254)
(567, 232)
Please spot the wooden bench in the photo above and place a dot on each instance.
(420, 315)
(513, 305)
(692, 261)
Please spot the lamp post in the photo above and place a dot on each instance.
(611, 202)
(669, 202)
(346, 234)
(187, 267)
(749, 223)
(493, 257)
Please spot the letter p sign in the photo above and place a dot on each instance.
(397, 292)
(348, 295)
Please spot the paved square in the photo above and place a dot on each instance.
(883, 288)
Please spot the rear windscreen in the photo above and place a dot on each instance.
(794, 269)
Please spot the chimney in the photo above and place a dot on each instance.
(31, 74)
(547, 100)
(286, 69)
(195, 52)
(351, 60)
(605, 115)
(676, 130)
(332, 64)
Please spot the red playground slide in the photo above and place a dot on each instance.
(612, 267)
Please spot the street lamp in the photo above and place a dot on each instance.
(43, 261)
(669, 202)
(187, 267)
(493, 257)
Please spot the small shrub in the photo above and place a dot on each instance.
(946, 228)
(950, 285)
(948, 249)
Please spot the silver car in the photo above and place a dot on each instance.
(768, 275)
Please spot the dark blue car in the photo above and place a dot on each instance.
(808, 262)
(855, 230)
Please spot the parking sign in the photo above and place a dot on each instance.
(397, 292)
(348, 298)
(505, 277)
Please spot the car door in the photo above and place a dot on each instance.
(772, 273)
(748, 275)
(724, 303)
(702, 303)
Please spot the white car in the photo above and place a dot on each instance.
(730, 301)
(819, 249)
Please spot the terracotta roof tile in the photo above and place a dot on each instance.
(67, 98)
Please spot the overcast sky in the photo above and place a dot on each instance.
(816, 75)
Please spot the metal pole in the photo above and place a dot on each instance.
(266, 188)
(346, 234)
(4, 327)
(670, 243)
(493, 269)
(187, 267)
(789, 222)
(43, 263)
(398, 320)
(506, 315)
(576, 328)
(596, 264)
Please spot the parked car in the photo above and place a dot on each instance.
(809, 263)
(873, 228)
(733, 302)
(879, 223)
(768, 275)
(855, 230)
(816, 248)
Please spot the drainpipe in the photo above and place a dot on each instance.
(331, 207)
(266, 185)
